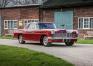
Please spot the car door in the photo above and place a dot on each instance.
(35, 32)
(29, 32)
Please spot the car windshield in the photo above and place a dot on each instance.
(47, 26)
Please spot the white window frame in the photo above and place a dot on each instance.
(7, 24)
(90, 22)
(84, 22)
(79, 24)
(32, 20)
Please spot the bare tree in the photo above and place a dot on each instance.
(3, 3)
(27, 2)
(34, 1)
(24, 2)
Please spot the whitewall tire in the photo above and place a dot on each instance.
(44, 41)
(68, 42)
(21, 40)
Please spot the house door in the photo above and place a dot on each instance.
(64, 19)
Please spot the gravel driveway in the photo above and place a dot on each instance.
(79, 54)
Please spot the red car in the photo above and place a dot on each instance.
(46, 34)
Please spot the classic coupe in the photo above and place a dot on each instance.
(46, 34)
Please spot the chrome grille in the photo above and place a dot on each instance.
(62, 35)
(59, 35)
(69, 35)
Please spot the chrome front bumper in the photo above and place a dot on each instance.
(64, 36)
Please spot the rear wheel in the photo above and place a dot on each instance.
(21, 40)
(44, 41)
(68, 42)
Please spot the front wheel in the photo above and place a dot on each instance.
(69, 42)
(21, 40)
(44, 41)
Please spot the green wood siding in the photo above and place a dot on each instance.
(64, 19)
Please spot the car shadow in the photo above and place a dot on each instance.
(58, 45)
(52, 45)
(61, 45)
(38, 44)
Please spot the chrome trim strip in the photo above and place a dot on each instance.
(30, 41)
(61, 38)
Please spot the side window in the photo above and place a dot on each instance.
(27, 26)
(28, 21)
(32, 26)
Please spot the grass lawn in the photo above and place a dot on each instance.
(81, 41)
(6, 37)
(13, 56)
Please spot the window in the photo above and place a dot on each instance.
(10, 24)
(32, 26)
(46, 26)
(80, 22)
(27, 21)
(85, 23)
(91, 22)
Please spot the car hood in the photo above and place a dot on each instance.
(55, 30)
(60, 30)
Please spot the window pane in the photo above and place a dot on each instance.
(15, 24)
(91, 22)
(80, 22)
(12, 24)
(5, 25)
(27, 26)
(46, 26)
(37, 20)
(9, 24)
(25, 23)
(32, 26)
(86, 23)
(29, 21)
(32, 20)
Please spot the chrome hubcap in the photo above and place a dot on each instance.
(45, 41)
(20, 39)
